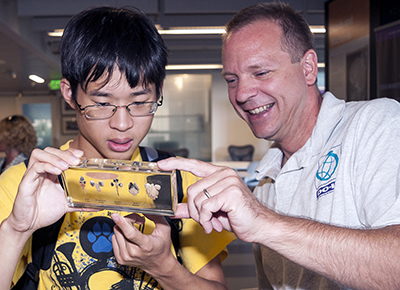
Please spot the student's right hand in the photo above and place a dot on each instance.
(40, 200)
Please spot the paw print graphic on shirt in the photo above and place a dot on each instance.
(95, 237)
(100, 237)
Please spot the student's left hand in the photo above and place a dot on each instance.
(131, 247)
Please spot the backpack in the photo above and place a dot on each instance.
(44, 239)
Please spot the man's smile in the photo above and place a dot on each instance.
(261, 109)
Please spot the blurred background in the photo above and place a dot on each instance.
(196, 114)
(357, 43)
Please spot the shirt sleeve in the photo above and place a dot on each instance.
(197, 247)
(376, 169)
(9, 181)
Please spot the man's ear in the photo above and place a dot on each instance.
(310, 66)
(66, 91)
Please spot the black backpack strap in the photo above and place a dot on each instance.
(149, 154)
(43, 245)
(153, 155)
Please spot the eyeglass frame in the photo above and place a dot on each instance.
(159, 103)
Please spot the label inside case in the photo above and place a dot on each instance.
(121, 185)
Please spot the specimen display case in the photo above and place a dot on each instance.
(121, 185)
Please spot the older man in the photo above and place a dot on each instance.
(325, 214)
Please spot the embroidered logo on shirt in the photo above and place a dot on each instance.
(325, 176)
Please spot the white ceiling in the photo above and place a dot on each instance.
(26, 49)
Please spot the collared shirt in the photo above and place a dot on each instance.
(347, 174)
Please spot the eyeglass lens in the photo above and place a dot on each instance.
(135, 109)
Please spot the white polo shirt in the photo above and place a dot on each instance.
(347, 174)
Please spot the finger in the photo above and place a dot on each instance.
(198, 168)
(39, 169)
(57, 158)
(216, 224)
(71, 156)
(224, 203)
(182, 211)
(116, 247)
(76, 152)
(223, 176)
(129, 231)
(207, 188)
(120, 246)
(210, 213)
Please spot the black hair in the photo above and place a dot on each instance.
(97, 40)
(296, 35)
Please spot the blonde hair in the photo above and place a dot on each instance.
(17, 132)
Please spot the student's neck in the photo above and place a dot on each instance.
(83, 144)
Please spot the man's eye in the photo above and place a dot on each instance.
(260, 74)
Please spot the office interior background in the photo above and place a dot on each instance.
(357, 43)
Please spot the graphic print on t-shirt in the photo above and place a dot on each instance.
(84, 258)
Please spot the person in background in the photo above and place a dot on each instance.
(17, 140)
(113, 64)
(326, 213)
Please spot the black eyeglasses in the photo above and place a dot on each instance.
(135, 109)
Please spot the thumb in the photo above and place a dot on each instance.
(182, 211)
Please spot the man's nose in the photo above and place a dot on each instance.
(246, 89)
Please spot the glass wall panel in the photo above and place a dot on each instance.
(183, 121)
(40, 116)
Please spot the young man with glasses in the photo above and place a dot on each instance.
(113, 64)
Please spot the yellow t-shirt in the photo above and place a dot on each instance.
(83, 254)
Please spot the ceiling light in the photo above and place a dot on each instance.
(56, 33)
(193, 66)
(317, 29)
(321, 64)
(193, 30)
(171, 31)
(36, 79)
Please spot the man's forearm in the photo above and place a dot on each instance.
(360, 259)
